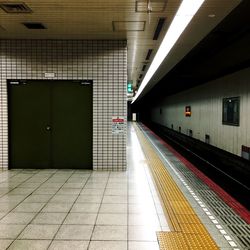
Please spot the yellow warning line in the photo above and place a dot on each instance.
(187, 230)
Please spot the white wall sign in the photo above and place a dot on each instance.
(118, 125)
(49, 75)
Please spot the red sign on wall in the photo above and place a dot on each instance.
(188, 111)
(118, 125)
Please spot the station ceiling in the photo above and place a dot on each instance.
(137, 21)
(225, 50)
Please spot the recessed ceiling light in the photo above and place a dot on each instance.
(184, 15)
(211, 15)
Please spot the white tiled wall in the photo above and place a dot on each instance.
(103, 61)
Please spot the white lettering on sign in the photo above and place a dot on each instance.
(118, 125)
(49, 75)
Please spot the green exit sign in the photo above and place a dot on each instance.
(130, 87)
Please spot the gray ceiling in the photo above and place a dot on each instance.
(224, 50)
(130, 20)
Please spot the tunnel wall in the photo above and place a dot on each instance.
(206, 112)
(104, 62)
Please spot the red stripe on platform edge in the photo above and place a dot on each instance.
(227, 198)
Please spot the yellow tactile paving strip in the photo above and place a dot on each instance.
(187, 230)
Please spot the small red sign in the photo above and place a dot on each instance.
(118, 120)
(118, 126)
(188, 111)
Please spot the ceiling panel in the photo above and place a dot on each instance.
(128, 26)
(92, 19)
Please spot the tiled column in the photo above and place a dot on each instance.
(105, 62)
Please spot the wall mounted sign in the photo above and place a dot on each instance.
(118, 125)
(14, 82)
(188, 111)
(231, 111)
(86, 82)
(17, 82)
(49, 75)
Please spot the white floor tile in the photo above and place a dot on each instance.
(73, 185)
(89, 199)
(29, 207)
(66, 245)
(7, 206)
(115, 191)
(80, 219)
(60, 198)
(10, 231)
(4, 244)
(95, 191)
(142, 233)
(22, 191)
(43, 232)
(133, 245)
(143, 220)
(115, 199)
(46, 191)
(82, 206)
(113, 208)
(94, 185)
(17, 218)
(118, 185)
(30, 245)
(57, 207)
(108, 245)
(69, 191)
(74, 232)
(85, 208)
(110, 233)
(49, 218)
(41, 198)
(112, 219)
(141, 209)
(12, 198)
(2, 214)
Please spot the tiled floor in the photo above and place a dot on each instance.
(73, 209)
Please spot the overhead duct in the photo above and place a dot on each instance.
(15, 8)
(34, 26)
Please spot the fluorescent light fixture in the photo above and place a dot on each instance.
(184, 15)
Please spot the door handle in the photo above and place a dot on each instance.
(48, 128)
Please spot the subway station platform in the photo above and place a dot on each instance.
(158, 203)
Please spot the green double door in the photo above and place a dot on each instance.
(50, 124)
